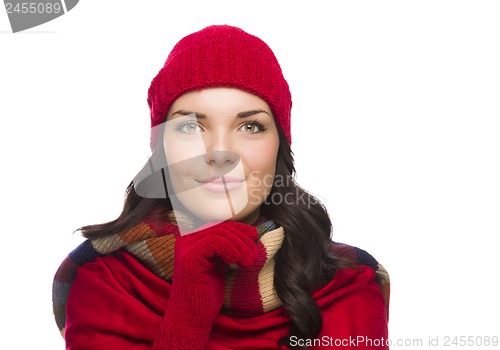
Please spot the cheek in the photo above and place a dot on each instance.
(181, 150)
(260, 164)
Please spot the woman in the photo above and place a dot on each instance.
(217, 247)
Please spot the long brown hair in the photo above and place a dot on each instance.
(302, 264)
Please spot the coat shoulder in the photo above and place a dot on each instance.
(358, 256)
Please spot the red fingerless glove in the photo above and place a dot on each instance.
(197, 293)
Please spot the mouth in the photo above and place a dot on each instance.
(221, 184)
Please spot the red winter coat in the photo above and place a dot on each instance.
(116, 303)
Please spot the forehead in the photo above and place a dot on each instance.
(219, 100)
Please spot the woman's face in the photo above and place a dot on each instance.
(221, 146)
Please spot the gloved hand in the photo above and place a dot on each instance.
(197, 293)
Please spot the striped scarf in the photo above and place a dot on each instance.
(248, 292)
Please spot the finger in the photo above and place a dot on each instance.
(233, 242)
(241, 250)
(248, 230)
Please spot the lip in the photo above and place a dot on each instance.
(221, 184)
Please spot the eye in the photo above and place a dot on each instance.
(188, 127)
(253, 127)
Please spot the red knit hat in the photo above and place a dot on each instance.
(221, 56)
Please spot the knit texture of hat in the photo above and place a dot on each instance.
(221, 56)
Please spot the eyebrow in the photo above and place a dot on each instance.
(244, 114)
(250, 113)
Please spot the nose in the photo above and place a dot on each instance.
(222, 162)
(220, 156)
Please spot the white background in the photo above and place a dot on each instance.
(396, 125)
